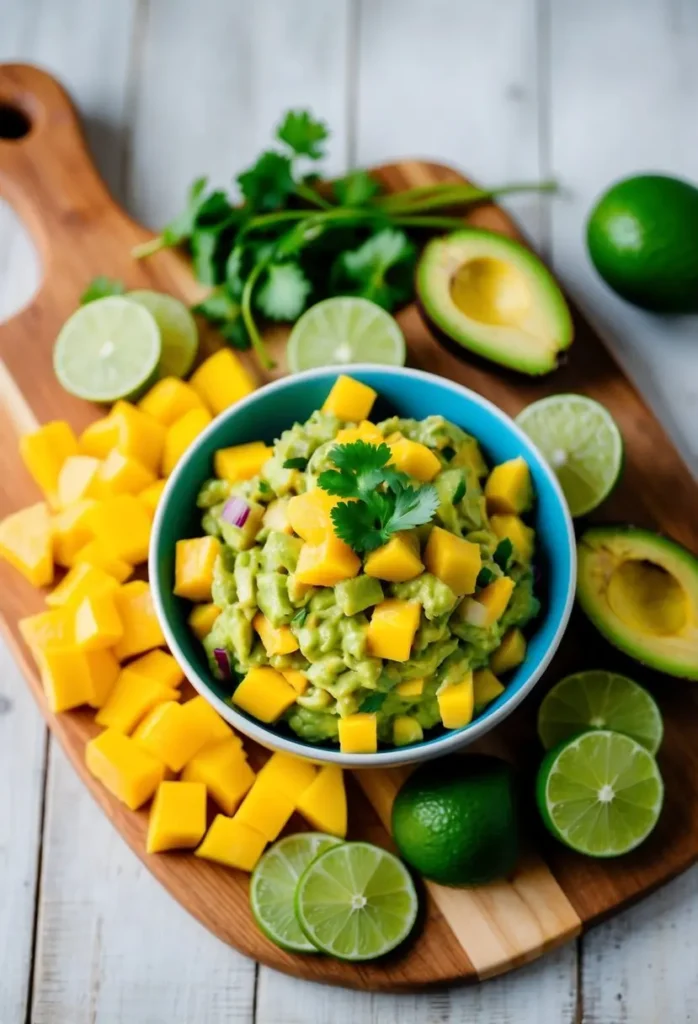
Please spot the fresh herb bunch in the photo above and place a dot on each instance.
(383, 500)
(292, 242)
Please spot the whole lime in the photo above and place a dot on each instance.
(455, 820)
(642, 240)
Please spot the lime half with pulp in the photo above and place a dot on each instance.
(599, 700)
(178, 330)
(344, 330)
(107, 350)
(581, 442)
(273, 887)
(600, 793)
(356, 902)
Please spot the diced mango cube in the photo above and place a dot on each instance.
(264, 694)
(324, 803)
(44, 451)
(349, 399)
(64, 677)
(242, 461)
(77, 479)
(266, 808)
(194, 562)
(291, 775)
(410, 688)
(99, 437)
(166, 732)
(204, 719)
(489, 604)
(83, 580)
(406, 730)
(123, 525)
(102, 672)
(142, 630)
(486, 688)
(454, 560)
(96, 553)
(358, 734)
(26, 542)
(324, 564)
(392, 628)
(309, 516)
(150, 496)
(415, 459)
(456, 702)
(276, 639)
(180, 435)
(363, 431)
(177, 818)
(510, 653)
(297, 679)
(520, 535)
(122, 474)
(124, 768)
(71, 531)
(202, 618)
(159, 666)
(396, 561)
(508, 488)
(139, 436)
(276, 516)
(231, 843)
(97, 622)
(54, 628)
(222, 380)
(224, 770)
(131, 698)
(169, 400)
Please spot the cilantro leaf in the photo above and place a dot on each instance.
(235, 333)
(459, 492)
(342, 485)
(218, 306)
(355, 189)
(355, 524)
(303, 134)
(380, 270)
(503, 553)
(300, 617)
(100, 287)
(485, 576)
(268, 183)
(298, 463)
(360, 457)
(284, 293)
(373, 702)
(413, 507)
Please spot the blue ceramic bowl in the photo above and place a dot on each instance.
(409, 393)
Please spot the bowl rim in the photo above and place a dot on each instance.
(438, 746)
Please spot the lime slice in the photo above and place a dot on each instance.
(343, 330)
(273, 887)
(582, 443)
(599, 700)
(107, 350)
(600, 793)
(178, 330)
(356, 902)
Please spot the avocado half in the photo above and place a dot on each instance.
(641, 592)
(493, 296)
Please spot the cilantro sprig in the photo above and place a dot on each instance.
(383, 500)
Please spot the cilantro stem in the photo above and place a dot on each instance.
(246, 310)
(311, 196)
(420, 220)
(455, 195)
(149, 248)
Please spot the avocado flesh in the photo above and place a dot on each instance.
(493, 296)
(641, 592)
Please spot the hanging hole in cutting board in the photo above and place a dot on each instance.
(14, 123)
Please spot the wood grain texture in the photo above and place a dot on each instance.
(82, 218)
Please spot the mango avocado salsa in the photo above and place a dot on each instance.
(362, 582)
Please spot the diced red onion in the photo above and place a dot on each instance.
(223, 661)
(235, 511)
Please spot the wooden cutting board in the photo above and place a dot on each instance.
(466, 935)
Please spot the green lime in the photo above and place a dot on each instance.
(599, 700)
(178, 330)
(356, 902)
(107, 350)
(343, 330)
(582, 444)
(641, 237)
(455, 820)
(273, 887)
(600, 793)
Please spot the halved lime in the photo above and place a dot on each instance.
(600, 793)
(107, 350)
(582, 443)
(273, 887)
(599, 700)
(178, 330)
(343, 330)
(356, 902)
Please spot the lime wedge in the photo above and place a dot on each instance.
(107, 350)
(273, 887)
(601, 793)
(343, 330)
(178, 330)
(599, 700)
(581, 442)
(356, 902)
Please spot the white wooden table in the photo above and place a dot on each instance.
(512, 89)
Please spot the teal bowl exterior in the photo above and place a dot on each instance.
(409, 393)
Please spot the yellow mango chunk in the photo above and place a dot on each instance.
(324, 803)
(142, 630)
(71, 531)
(510, 653)
(324, 564)
(415, 459)
(44, 451)
(26, 542)
(456, 703)
(392, 628)
(358, 734)
(276, 516)
(242, 461)
(396, 561)
(205, 719)
(508, 488)
(455, 561)
(364, 431)
(309, 514)
(202, 618)
(264, 694)
(406, 730)
(276, 639)
(121, 474)
(514, 529)
(233, 844)
(349, 399)
(83, 580)
(139, 436)
(99, 438)
(177, 818)
(169, 400)
(123, 525)
(410, 688)
(180, 435)
(54, 628)
(224, 771)
(72, 677)
(103, 671)
(222, 380)
(290, 775)
(97, 622)
(266, 809)
(96, 553)
(150, 496)
(77, 479)
(490, 603)
(131, 774)
(486, 688)
(132, 697)
(194, 562)
(159, 666)
(297, 679)
(166, 732)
